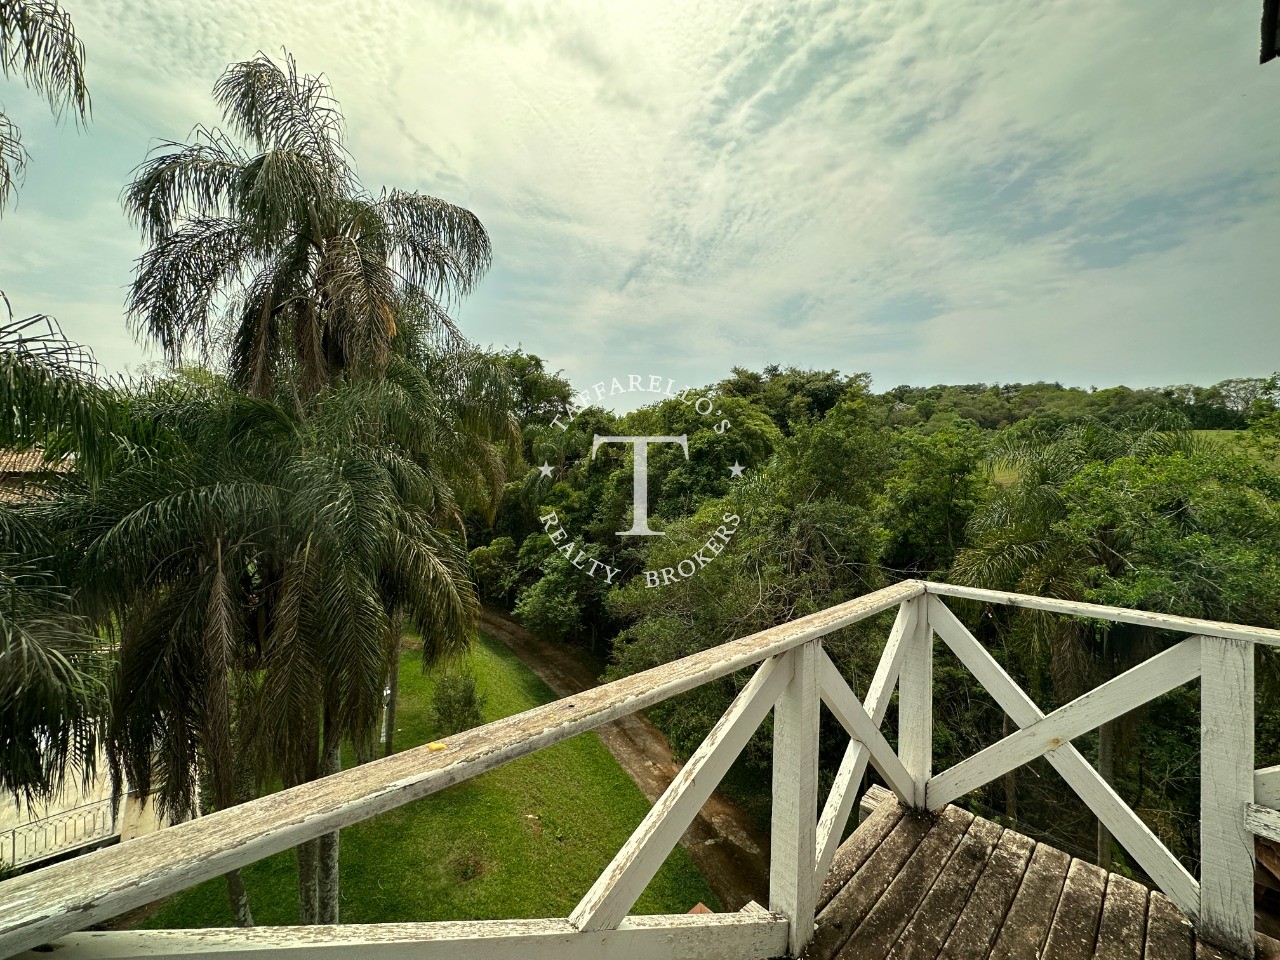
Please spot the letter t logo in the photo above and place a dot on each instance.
(640, 478)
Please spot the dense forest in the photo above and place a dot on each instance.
(1161, 499)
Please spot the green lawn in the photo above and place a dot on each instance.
(526, 840)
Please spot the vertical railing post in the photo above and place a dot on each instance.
(793, 835)
(1226, 786)
(915, 705)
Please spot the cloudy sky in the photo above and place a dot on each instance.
(932, 191)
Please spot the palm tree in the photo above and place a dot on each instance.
(51, 685)
(39, 44)
(251, 561)
(376, 427)
(1020, 541)
(49, 395)
(265, 245)
(51, 666)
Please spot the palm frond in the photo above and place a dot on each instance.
(38, 43)
(281, 109)
(51, 692)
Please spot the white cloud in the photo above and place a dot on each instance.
(928, 191)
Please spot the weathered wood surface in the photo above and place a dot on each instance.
(931, 924)
(915, 709)
(1226, 786)
(1096, 611)
(612, 895)
(851, 904)
(1074, 933)
(1169, 934)
(853, 853)
(883, 926)
(844, 789)
(1026, 926)
(749, 935)
(70, 896)
(1264, 821)
(1129, 830)
(1122, 928)
(793, 832)
(954, 886)
(1266, 787)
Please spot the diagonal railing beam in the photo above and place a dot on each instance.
(617, 889)
(844, 789)
(844, 704)
(1115, 698)
(1126, 826)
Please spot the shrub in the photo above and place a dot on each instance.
(456, 704)
(496, 569)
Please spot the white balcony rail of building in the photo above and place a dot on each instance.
(59, 833)
(793, 677)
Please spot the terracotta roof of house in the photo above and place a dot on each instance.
(32, 461)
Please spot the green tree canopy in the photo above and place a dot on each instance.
(265, 245)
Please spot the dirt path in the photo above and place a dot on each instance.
(725, 844)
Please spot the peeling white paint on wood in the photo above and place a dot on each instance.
(1160, 674)
(1266, 787)
(835, 813)
(1264, 821)
(1128, 829)
(747, 935)
(617, 889)
(1226, 787)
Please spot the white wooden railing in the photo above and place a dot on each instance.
(794, 676)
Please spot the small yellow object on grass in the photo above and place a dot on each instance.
(436, 745)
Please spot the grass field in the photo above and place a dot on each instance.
(525, 840)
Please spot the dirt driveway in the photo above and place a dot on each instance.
(726, 845)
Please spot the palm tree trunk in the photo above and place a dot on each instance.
(239, 898)
(1106, 767)
(308, 882)
(389, 712)
(236, 891)
(328, 853)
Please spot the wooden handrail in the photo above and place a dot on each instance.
(1097, 611)
(69, 896)
(1266, 787)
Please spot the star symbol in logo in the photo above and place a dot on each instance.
(736, 470)
(546, 469)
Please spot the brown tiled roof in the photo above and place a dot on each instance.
(31, 461)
